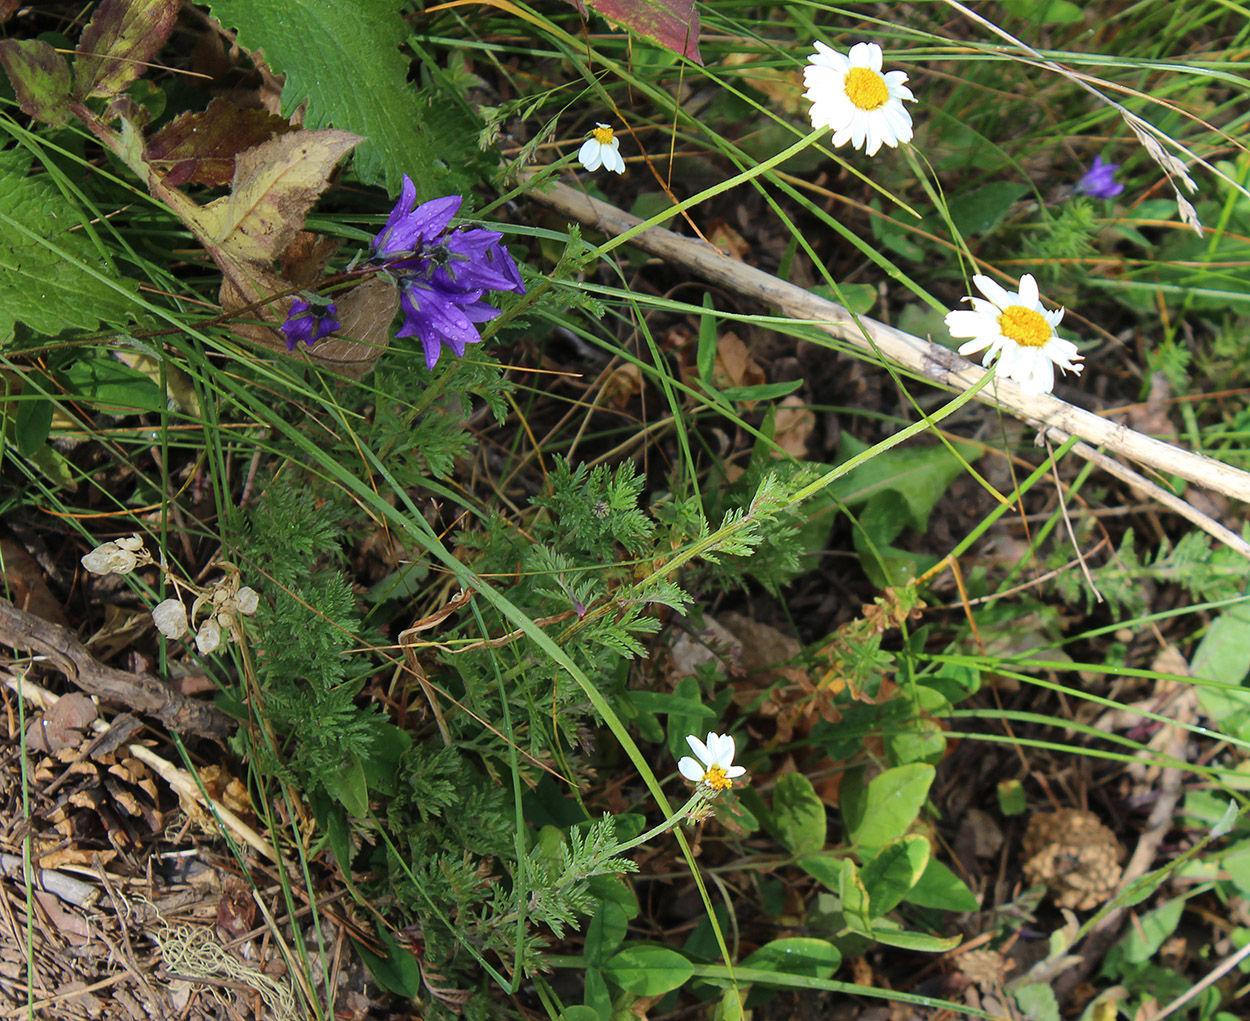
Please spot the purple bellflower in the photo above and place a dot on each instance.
(442, 273)
(1099, 181)
(309, 323)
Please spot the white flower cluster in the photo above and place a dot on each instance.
(118, 557)
(223, 605)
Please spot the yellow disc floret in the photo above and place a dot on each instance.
(716, 779)
(866, 89)
(1025, 326)
(602, 134)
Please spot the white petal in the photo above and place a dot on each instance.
(590, 155)
(962, 323)
(612, 157)
(1000, 297)
(734, 771)
(691, 770)
(1028, 291)
(700, 749)
(724, 750)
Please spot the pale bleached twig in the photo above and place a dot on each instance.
(937, 364)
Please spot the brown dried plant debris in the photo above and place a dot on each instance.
(1074, 855)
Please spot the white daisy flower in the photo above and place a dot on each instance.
(713, 762)
(1015, 329)
(851, 96)
(602, 149)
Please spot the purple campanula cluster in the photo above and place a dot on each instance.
(1099, 181)
(442, 273)
(309, 323)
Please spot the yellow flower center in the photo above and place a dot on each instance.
(602, 135)
(715, 778)
(866, 89)
(1025, 326)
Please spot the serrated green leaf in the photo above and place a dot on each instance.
(344, 60)
(1037, 1002)
(798, 815)
(892, 803)
(648, 971)
(46, 266)
(40, 78)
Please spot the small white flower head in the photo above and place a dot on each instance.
(119, 557)
(170, 618)
(602, 149)
(713, 763)
(208, 638)
(1014, 328)
(852, 97)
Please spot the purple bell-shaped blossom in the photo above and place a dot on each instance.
(442, 272)
(309, 323)
(1099, 181)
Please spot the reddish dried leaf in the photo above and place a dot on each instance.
(122, 37)
(61, 726)
(40, 77)
(8, 8)
(200, 148)
(674, 24)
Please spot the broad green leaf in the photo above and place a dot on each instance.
(348, 785)
(730, 1007)
(605, 932)
(892, 803)
(980, 210)
(824, 868)
(940, 888)
(855, 902)
(796, 955)
(884, 931)
(1145, 938)
(893, 871)
(1224, 655)
(581, 1012)
(1037, 1002)
(597, 996)
(345, 61)
(798, 814)
(648, 971)
(33, 422)
(918, 474)
(50, 290)
(104, 382)
(615, 889)
(395, 970)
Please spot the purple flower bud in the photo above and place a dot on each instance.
(1099, 181)
(309, 323)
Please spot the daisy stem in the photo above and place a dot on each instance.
(655, 831)
(716, 189)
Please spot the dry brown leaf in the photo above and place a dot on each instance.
(794, 425)
(26, 583)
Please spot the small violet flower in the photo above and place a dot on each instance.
(713, 763)
(309, 323)
(442, 272)
(1099, 181)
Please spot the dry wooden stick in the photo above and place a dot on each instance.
(937, 364)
